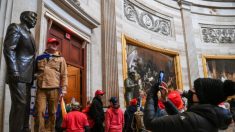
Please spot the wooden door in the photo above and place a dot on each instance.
(75, 56)
(74, 84)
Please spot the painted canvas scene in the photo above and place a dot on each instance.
(143, 67)
(221, 69)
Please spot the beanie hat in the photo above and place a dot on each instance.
(175, 98)
(133, 102)
(213, 91)
(113, 100)
(75, 105)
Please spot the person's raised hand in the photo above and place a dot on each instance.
(164, 93)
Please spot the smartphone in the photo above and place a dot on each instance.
(161, 77)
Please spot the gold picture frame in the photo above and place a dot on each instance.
(126, 40)
(206, 58)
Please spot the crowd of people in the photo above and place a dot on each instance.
(93, 118)
(203, 112)
(165, 110)
(201, 109)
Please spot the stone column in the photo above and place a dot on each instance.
(191, 51)
(109, 50)
(5, 20)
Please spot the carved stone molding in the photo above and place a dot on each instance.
(218, 34)
(73, 7)
(76, 3)
(147, 20)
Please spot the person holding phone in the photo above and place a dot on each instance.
(204, 115)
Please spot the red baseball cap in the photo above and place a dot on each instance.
(99, 92)
(52, 40)
(133, 102)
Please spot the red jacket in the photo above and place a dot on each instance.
(75, 121)
(114, 120)
(90, 120)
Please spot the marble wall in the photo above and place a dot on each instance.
(94, 53)
(191, 28)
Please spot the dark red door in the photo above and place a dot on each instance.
(71, 49)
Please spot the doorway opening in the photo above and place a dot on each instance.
(75, 55)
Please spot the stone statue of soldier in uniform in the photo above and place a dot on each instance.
(19, 52)
(131, 85)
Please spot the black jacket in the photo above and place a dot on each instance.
(199, 118)
(96, 112)
(19, 51)
(129, 114)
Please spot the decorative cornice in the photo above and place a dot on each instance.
(208, 4)
(147, 20)
(76, 3)
(220, 0)
(74, 8)
(218, 34)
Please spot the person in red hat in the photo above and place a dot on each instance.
(174, 98)
(51, 74)
(96, 112)
(129, 115)
(173, 95)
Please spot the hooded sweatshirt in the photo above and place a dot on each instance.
(114, 120)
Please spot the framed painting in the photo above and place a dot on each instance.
(219, 67)
(142, 64)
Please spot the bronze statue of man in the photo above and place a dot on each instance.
(19, 51)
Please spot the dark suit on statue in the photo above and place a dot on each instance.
(19, 52)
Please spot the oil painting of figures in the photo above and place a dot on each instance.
(143, 67)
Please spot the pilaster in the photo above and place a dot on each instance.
(191, 52)
(109, 50)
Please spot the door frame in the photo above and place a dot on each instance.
(84, 62)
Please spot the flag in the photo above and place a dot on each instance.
(62, 105)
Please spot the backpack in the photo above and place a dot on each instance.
(138, 122)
